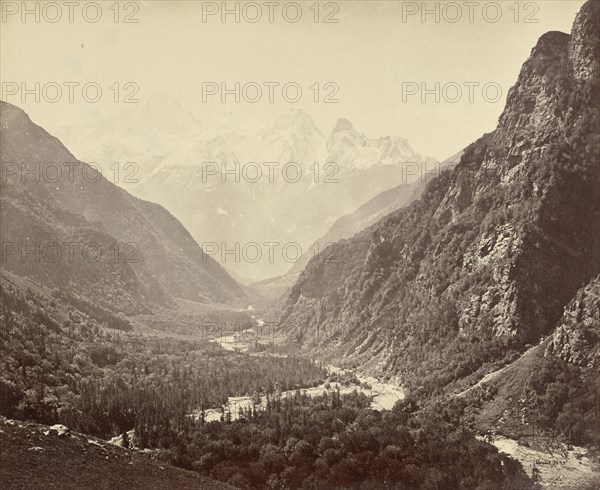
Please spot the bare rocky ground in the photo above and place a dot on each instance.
(34, 456)
(559, 467)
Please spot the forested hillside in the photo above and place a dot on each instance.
(59, 365)
(487, 260)
(98, 375)
(51, 200)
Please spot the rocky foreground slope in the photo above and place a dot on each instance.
(36, 456)
(489, 257)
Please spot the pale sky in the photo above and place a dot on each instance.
(369, 53)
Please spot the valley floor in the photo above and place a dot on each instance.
(561, 467)
(384, 395)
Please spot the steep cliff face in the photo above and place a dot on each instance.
(577, 337)
(492, 252)
(585, 45)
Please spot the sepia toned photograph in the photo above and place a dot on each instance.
(311, 244)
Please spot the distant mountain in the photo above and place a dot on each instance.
(146, 255)
(347, 226)
(488, 258)
(143, 134)
(353, 150)
(186, 167)
(291, 211)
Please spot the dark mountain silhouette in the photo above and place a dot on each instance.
(147, 256)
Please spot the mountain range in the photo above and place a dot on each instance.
(291, 183)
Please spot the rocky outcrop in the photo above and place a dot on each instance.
(577, 337)
(585, 44)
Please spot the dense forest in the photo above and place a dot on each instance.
(64, 366)
(60, 365)
(334, 441)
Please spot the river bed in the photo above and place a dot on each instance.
(384, 395)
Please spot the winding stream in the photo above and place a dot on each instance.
(384, 395)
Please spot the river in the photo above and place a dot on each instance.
(384, 395)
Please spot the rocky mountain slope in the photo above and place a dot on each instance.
(349, 225)
(487, 259)
(576, 339)
(128, 252)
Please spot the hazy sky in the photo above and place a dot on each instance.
(373, 49)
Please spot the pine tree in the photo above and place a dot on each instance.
(125, 439)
